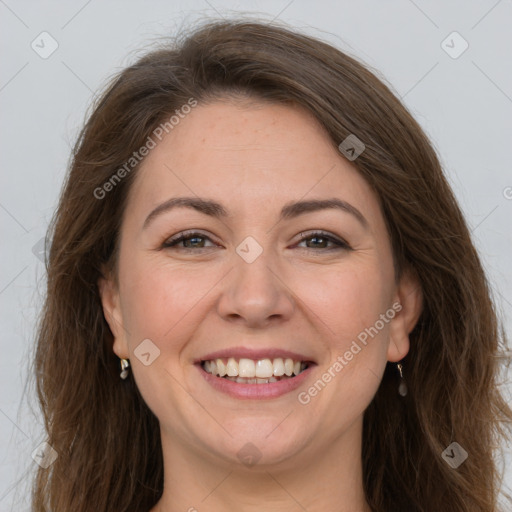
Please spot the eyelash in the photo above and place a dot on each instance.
(187, 235)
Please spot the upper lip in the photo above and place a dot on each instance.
(255, 354)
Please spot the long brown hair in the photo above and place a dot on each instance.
(107, 439)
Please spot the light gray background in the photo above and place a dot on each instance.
(464, 104)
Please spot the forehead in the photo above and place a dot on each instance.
(249, 154)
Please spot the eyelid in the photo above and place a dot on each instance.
(184, 234)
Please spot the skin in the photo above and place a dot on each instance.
(297, 295)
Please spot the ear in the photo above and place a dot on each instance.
(109, 294)
(410, 297)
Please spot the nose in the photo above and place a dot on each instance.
(256, 294)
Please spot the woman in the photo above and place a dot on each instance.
(262, 295)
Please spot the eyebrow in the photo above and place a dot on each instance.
(289, 210)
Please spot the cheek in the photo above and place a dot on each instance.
(346, 300)
(351, 303)
(158, 297)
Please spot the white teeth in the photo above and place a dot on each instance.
(246, 368)
(221, 368)
(288, 367)
(278, 367)
(232, 367)
(241, 380)
(250, 371)
(264, 368)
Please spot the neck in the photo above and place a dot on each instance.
(313, 480)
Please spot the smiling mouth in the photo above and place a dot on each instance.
(250, 371)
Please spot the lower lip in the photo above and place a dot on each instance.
(255, 391)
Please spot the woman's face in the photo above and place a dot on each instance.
(245, 285)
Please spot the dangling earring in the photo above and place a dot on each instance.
(402, 388)
(125, 364)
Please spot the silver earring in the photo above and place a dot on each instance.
(125, 365)
(402, 388)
